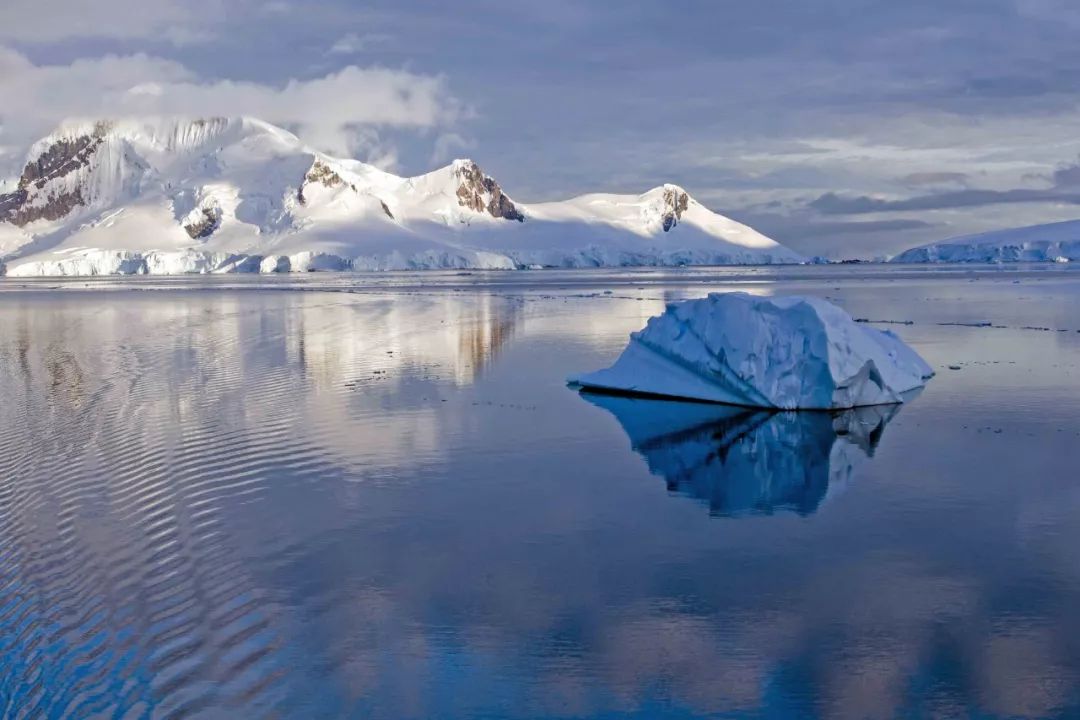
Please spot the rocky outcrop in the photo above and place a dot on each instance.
(481, 193)
(321, 174)
(16, 209)
(61, 158)
(202, 223)
(12, 203)
(675, 203)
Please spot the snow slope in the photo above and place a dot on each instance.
(1055, 242)
(787, 353)
(168, 195)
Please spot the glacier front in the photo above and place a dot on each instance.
(786, 353)
(1054, 242)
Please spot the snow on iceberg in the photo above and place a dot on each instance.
(788, 353)
(745, 461)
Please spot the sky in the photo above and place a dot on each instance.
(845, 128)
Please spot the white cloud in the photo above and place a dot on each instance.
(352, 43)
(337, 113)
(447, 144)
(365, 142)
(276, 7)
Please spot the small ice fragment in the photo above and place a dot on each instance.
(783, 352)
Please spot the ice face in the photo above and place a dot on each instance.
(786, 353)
(743, 461)
(1053, 242)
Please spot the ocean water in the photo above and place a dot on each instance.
(374, 497)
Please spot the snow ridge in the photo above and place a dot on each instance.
(174, 195)
(1054, 242)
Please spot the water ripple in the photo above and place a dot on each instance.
(120, 594)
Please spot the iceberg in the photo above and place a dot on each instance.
(744, 461)
(783, 353)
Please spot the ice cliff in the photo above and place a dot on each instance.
(789, 353)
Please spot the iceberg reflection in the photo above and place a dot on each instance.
(743, 461)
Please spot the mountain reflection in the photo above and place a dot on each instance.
(742, 461)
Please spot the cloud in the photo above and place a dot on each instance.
(839, 239)
(51, 21)
(935, 178)
(846, 228)
(276, 7)
(832, 203)
(1066, 176)
(447, 144)
(336, 113)
(352, 43)
(900, 99)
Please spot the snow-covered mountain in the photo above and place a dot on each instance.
(1055, 242)
(235, 195)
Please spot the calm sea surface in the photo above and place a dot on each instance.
(359, 496)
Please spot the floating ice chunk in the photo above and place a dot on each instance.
(786, 352)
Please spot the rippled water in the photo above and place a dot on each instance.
(373, 496)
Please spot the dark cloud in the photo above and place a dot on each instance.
(839, 239)
(820, 229)
(1067, 176)
(565, 97)
(832, 203)
(935, 178)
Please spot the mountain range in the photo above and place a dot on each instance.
(169, 195)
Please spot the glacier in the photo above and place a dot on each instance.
(178, 195)
(786, 353)
(1053, 242)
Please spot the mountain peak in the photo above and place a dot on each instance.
(478, 191)
(671, 201)
(463, 163)
(182, 194)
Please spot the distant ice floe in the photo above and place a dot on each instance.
(788, 353)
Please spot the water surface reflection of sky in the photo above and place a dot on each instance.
(388, 504)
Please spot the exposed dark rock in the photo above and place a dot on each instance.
(675, 203)
(59, 159)
(475, 185)
(205, 224)
(386, 209)
(11, 202)
(63, 157)
(320, 173)
(15, 207)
